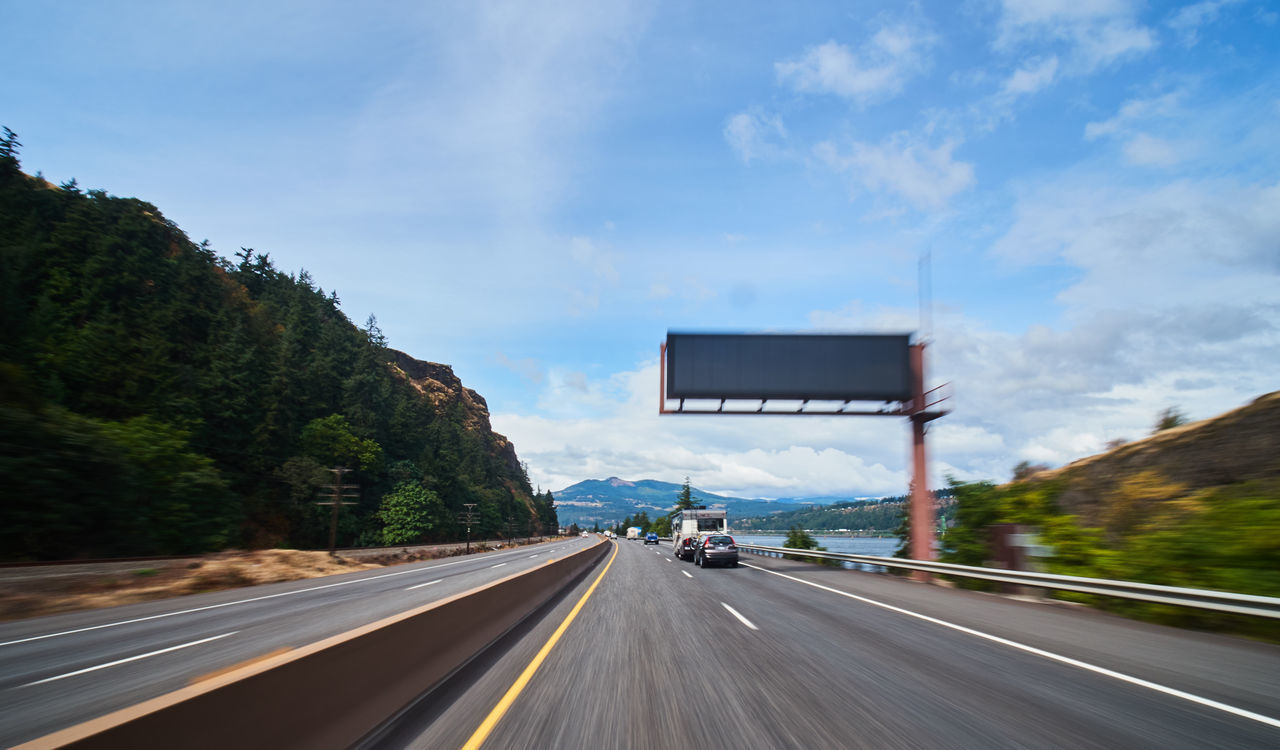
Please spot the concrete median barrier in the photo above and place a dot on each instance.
(333, 692)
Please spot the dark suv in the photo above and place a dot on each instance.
(715, 548)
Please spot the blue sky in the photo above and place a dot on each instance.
(535, 193)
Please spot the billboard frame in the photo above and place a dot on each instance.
(928, 400)
(920, 409)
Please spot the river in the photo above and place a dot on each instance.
(853, 545)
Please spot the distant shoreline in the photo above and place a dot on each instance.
(818, 532)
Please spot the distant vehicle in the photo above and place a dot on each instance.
(585, 534)
(717, 549)
(633, 532)
(651, 538)
(692, 522)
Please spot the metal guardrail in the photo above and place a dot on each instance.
(1218, 601)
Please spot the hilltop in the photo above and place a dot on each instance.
(1241, 445)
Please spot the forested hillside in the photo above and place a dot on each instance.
(156, 398)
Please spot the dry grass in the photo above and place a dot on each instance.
(32, 592)
(147, 581)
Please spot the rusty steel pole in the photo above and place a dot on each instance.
(921, 500)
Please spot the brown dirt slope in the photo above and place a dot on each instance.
(1240, 445)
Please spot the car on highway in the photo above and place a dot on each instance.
(684, 547)
(651, 538)
(715, 549)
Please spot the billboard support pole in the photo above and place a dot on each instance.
(662, 375)
(921, 501)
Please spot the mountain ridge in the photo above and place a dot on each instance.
(610, 500)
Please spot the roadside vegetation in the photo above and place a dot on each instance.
(1151, 531)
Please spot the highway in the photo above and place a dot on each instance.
(667, 655)
(60, 670)
(644, 650)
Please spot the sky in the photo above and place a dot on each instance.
(535, 193)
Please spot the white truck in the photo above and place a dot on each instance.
(690, 523)
(633, 532)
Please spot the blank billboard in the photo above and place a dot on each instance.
(834, 367)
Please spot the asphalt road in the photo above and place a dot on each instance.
(667, 655)
(60, 670)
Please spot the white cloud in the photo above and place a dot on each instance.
(659, 290)
(1035, 75)
(481, 116)
(1031, 78)
(611, 428)
(923, 176)
(1188, 20)
(529, 369)
(1095, 33)
(879, 68)
(600, 261)
(1135, 111)
(1190, 242)
(753, 135)
(1148, 151)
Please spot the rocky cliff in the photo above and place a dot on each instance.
(444, 390)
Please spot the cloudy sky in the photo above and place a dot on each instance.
(536, 192)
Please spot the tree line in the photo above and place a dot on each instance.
(880, 516)
(156, 398)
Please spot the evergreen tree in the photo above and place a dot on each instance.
(685, 499)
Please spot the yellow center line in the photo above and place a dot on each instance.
(491, 721)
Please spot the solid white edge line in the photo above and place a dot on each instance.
(231, 604)
(1207, 702)
(735, 613)
(420, 585)
(125, 661)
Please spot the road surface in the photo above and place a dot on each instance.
(60, 670)
(667, 655)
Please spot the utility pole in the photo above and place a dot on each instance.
(338, 491)
(467, 516)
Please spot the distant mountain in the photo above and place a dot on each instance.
(608, 501)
